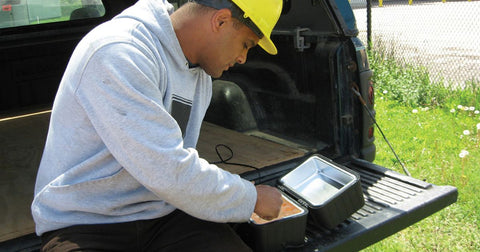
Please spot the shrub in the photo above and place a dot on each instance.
(411, 84)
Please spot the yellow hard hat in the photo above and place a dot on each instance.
(264, 14)
(259, 15)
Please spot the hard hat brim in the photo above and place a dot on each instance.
(267, 44)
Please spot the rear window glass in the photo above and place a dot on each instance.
(31, 12)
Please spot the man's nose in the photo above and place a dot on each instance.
(242, 58)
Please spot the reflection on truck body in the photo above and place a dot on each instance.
(29, 12)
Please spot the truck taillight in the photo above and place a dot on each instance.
(371, 92)
(371, 130)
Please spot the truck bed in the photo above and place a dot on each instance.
(392, 201)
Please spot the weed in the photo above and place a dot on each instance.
(412, 85)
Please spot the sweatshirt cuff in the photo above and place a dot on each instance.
(251, 194)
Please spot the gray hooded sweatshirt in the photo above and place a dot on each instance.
(124, 125)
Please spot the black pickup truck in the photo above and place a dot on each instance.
(272, 112)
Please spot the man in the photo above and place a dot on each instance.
(119, 169)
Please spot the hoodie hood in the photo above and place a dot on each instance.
(155, 16)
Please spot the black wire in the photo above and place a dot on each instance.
(220, 156)
(225, 161)
(362, 101)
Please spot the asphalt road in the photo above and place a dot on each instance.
(444, 37)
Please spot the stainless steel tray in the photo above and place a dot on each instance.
(317, 181)
(331, 192)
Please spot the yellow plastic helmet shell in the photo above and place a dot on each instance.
(264, 14)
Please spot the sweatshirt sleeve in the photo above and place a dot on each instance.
(120, 93)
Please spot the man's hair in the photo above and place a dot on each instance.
(195, 7)
(237, 24)
(237, 13)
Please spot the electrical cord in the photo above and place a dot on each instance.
(225, 160)
(356, 91)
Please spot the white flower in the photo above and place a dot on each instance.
(471, 108)
(425, 109)
(478, 126)
(463, 153)
(452, 110)
(476, 112)
(465, 108)
(466, 132)
(459, 106)
(415, 111)
(385, 92)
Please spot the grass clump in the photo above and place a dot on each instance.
(412, 85)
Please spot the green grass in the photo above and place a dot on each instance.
(428, 131)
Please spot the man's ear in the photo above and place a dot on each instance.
(220, 18)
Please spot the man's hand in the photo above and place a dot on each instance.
(269, 202)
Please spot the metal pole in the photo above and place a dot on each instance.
(369, 24)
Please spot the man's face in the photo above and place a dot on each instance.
(231, 46)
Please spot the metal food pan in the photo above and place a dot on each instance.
(330, 191)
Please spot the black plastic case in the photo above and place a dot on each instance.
(278, 234)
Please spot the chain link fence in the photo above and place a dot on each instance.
(441, 35)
